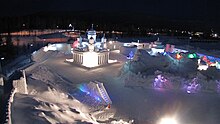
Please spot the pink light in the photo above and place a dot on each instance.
(75, 44)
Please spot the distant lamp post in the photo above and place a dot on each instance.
(1, 68)
(23, 25)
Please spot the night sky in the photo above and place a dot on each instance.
(184, 10)
(169, 8)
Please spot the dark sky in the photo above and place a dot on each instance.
(192, 9)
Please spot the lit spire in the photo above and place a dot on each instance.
(92, 26)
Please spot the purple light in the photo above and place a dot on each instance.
(161, 82)
(97, 98)
(188, 91)
(192, 87)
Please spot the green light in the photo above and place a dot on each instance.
(192, 56)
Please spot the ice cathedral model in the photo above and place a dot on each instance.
(90, 52)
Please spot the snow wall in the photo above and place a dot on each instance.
(8, 119)
(1, 85)
(19, 86)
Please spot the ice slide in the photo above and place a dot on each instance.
(103, 92)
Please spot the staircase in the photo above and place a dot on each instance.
(103, 93)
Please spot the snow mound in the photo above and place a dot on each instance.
(168, 81)
(56, 107)
(44, 74)
(41, 55)
(122, 122)
(147, 64)
(54, 104)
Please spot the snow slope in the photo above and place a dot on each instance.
(50, 82)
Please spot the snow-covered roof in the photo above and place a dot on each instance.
(51, 36)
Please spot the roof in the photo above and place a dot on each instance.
(52, 36)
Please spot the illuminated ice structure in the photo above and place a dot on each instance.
(90, 53)
(218, 65)
(130, 56)
(192, 87)
(156, 47)
(161, 82)
(96, 90)
(209, 61)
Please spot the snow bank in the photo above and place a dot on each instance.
(41, 55)
(9, 106)
(52, 102)
(172, 81)
(141, 72)
(145, 63)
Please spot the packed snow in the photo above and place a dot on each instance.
(54, 96)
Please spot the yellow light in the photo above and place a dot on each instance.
(168, 121)
(178, 56)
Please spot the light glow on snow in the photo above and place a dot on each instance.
(168, 120)
(90, 59)
(85, 89)
(69, 60)
(217, 65)
(203, 67)
(112, 61)
(53, 47)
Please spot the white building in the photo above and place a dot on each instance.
(92, 53)
(91, 34)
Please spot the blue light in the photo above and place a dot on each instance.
(165, 53)
(97, 98)
(85, 89)
(209, 57)
(131, 55)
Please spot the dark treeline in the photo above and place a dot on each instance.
(126, 22)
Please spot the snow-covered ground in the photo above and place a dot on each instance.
(51, 79)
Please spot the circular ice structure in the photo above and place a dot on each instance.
(160, 82)
(192, 87)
